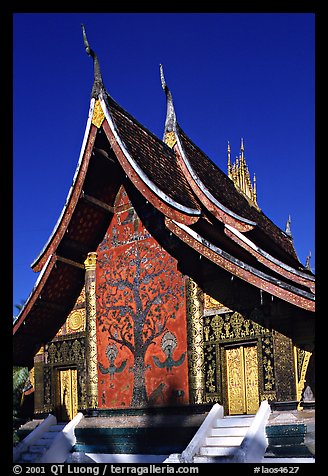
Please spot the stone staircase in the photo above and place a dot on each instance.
(34, 453)
(49, 442)
(227, 439)
(224, 439)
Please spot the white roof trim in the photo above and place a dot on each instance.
(85, 139)
(42, 272)
(140, 172)
(207, 192)
(243, 265)
(267, 255)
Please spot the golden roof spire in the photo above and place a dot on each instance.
(239, 174)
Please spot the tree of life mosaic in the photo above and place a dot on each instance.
(141, 319)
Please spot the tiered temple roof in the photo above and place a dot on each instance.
(204, 212)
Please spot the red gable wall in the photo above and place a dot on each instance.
(141, 318)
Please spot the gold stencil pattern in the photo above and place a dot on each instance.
(235, 381)
(242, 380)
(195, 309)
(67, 381)
(302, 359)
(91, 328)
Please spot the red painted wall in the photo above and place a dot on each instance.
(141, 317)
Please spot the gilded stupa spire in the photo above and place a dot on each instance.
(239, 174)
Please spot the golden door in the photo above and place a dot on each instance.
(67, 394)
(242, 379)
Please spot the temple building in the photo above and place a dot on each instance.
(163, 283)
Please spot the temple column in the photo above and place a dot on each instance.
(195, 310)
(91, 328)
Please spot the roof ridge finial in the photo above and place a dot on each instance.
(98, 82)
(170, 122)
(307, 263)
(288, 229)
(164, 85)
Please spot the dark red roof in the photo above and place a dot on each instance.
(222, 188)
(153, 156)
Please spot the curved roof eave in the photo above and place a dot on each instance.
(221, 212)
(36, 265)
(34, 294)
(268, 260)
(280, 289)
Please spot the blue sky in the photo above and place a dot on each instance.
(232, 76)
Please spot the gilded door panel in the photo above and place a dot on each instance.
(242, 380)
(67, 394)
(251, 379)
(235, 380)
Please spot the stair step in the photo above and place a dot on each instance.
(217, 450)
(233, 421)
(49, 435)
(213, 459)
(229, 431)
(29, 457)
(43, 442)
(58, 427)
(223, 440)
(38, 449)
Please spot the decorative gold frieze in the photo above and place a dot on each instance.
(98, 115)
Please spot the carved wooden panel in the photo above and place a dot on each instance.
(242, 379)
(67, 394)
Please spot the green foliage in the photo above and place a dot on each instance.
(20, 375)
